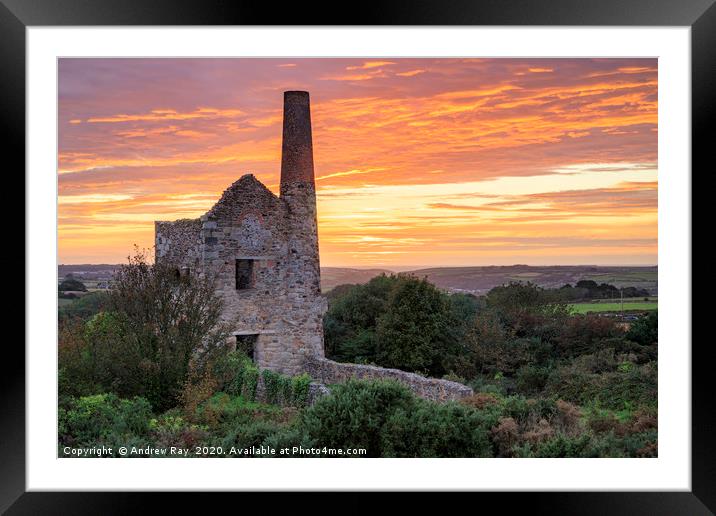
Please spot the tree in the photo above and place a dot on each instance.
(352, 316)
(72, 284)
(517, 326)
(417, 330)
(526, 310)
(154, 324)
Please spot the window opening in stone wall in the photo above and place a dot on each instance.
(244, 274)
(247, 344)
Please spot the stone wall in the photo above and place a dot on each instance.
(328, 372)
(249, 222)
(178, 242)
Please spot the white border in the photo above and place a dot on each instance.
(670, 471)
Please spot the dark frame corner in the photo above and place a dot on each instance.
(17, 15)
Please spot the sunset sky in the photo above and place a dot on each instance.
(419, 162)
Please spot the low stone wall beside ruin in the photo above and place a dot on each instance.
(328, 372)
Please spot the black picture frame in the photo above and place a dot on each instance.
(17, 15)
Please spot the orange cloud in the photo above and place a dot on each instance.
(411, 73)
(167, 114)
(370, 64)
(471, 164)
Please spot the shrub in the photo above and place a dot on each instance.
(539, 432)
(601, 361)
(480, 400)
(645, 330)
(436, 430)
(565, 446)
(643, 444)
(250, 381)
(300, 388)
(199, 387)
(288, 437)
(223, 409)
(102, 418)
(228, 368)
(568, 417)
(527, 423)
(76, 372)
(526, 310)
(272, 385)
(532, 379)
(582, 334)
(635, 385)
(452, 377)
(506, 435)
(245, 435)
(354, 415)
(644, 421)
(285, 390)
(172, 429)
(236, 374)
(529, 411)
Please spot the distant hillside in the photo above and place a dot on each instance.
(477, 280)
(333, 276)
(102, 271)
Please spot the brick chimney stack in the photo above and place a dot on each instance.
(297, 149)
(298, 191)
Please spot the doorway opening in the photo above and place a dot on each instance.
(246, 344)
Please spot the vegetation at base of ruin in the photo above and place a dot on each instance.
(547, 382)
(382, 416)
(140, 343)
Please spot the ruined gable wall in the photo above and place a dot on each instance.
(178, 242)
(250, 222)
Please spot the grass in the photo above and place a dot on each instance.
(583, 308)
(64, 302)
(651, 299)
(626, 277)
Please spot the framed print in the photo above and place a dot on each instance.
(432, 239)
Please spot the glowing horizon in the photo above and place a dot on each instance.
(419, 162)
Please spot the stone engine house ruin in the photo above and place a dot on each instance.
(263, 252)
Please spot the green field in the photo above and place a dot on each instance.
(583, 308)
